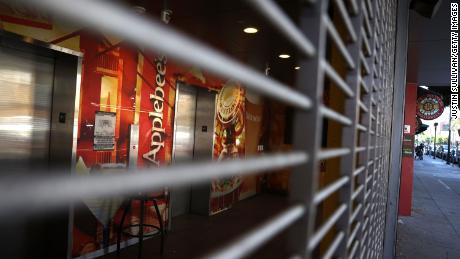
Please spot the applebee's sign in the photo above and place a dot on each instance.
(156, 115)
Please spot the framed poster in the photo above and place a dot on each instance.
(104, 130)
(408, 145)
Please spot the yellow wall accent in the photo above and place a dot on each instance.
(140, 70)
(45, 35)
(109, 89)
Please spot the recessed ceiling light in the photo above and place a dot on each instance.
(139, 9)
(284, 56)
(297, 68)
(250, 30)
(423, 86)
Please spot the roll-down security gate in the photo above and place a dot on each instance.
(366, 44)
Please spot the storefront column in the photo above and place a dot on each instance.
(407, 167)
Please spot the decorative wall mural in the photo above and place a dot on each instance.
(228, 143)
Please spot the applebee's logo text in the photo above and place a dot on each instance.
(156, 116)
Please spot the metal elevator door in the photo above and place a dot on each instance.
(26, 86)
(193, 136)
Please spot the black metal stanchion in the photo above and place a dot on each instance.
(448, 138)
(434, 144)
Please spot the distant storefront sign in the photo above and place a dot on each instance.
(444, 126)
(408, 145)
(429, 106)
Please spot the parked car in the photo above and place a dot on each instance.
(430, 150)
(444, 152)
(439, 151)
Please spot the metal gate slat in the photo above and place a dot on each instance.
(367, 46)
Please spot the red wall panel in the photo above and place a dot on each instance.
(407, 163)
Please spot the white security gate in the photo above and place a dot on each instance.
(365, 42)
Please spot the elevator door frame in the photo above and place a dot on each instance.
(198, 195)
(63, 131)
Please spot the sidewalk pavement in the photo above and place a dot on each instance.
(433, 230)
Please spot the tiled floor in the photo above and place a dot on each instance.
(433, 230)
(193, 236)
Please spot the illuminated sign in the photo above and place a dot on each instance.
(429, 106)
(157, 99)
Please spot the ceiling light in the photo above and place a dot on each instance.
(139, 9)
(250, 30)
(423, 86)
(284, 56)
(297, 68)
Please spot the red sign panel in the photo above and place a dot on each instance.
(429, 106)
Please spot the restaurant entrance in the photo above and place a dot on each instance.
(193, 140)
